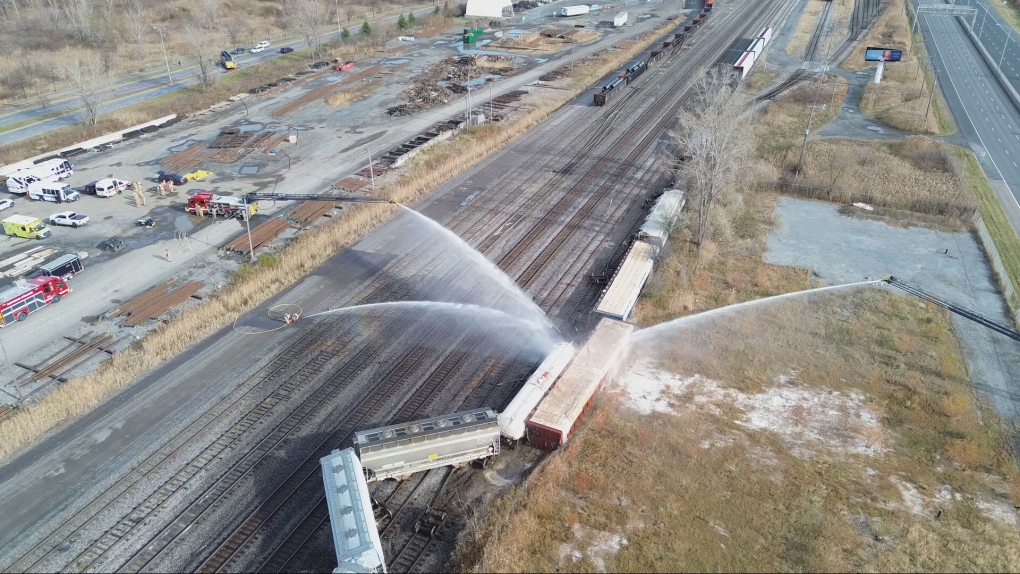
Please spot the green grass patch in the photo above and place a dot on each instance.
(1003, 235)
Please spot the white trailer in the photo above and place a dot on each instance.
(574, 10)
(513, 419)
(49, 170)
(620, 19)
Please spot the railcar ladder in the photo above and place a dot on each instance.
(961, 311)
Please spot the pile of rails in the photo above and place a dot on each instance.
(23, 262)
(153, 303)
(59, 365)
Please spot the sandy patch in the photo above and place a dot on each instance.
(809, 420)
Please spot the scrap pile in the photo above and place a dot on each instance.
(440, 83)
(186, 160)
(235, 144)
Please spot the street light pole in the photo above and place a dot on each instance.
(983, 18)
(165, 59)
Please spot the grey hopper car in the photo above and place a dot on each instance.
(397, 451)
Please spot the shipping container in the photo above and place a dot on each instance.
(573, 10)
(620, 19)
(558, 414)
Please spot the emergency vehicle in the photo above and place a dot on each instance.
(220, 205)
(25, 297)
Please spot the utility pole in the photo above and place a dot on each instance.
(371, 170)
(165, 59)
(934, 87)
(1004, 44)
(339, 30)
(11, 371)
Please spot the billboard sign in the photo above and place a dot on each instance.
(882, 55)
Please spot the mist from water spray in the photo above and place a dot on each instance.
(653, 333)
(522, 304)
(536, 335)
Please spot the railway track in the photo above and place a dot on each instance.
(864, 15)
(317, 521)
(814, 45)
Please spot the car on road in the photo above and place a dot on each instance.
(262, 44)
(197, 175)
(239, 51)
(5, 203)
(69, 218)
(256, 50)
(177, 178)
(286, 50)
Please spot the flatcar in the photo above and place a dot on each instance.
(398, 451)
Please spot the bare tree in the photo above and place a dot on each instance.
(236, 29)
(137, 21)
(310, 17)
(350, 10)
(198, 51)
(86, 76)
(714, 142)
(9, 6)
(211, 8)
(79, 13)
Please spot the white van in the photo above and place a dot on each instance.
(52, 191)
(108, 187)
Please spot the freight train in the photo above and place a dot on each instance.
(671, 42)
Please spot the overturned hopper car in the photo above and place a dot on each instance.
(398, 451)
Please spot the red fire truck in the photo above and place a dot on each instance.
(22, 298)
(221, 205)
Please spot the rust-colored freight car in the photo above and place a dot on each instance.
(557, 415)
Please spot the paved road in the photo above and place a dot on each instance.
(1001, 41)
(983, 112)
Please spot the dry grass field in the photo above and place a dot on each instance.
(784, 121)
(915, 174)
(429, 170)
(40, 34)
(901, 100)
(838, 433)
(830, 432)
(348, 96)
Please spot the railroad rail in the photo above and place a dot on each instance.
(864, 15)
(814, 45)
(307, 350)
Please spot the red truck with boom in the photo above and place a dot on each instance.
(22, 298)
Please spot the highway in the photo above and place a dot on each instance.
(983, 112)
(994, 33)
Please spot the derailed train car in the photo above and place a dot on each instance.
(397, 451)
(669, 44)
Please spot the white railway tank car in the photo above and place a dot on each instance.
(513, 420)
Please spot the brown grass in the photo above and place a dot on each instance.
(429, 170)
(785, 120)
(348, 96)
(915, 174)
(542, 41)
(699, 490)
(805, 26)
(901, 99)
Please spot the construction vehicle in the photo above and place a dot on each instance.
(25, 227)
(25, 297)
(227, 60)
